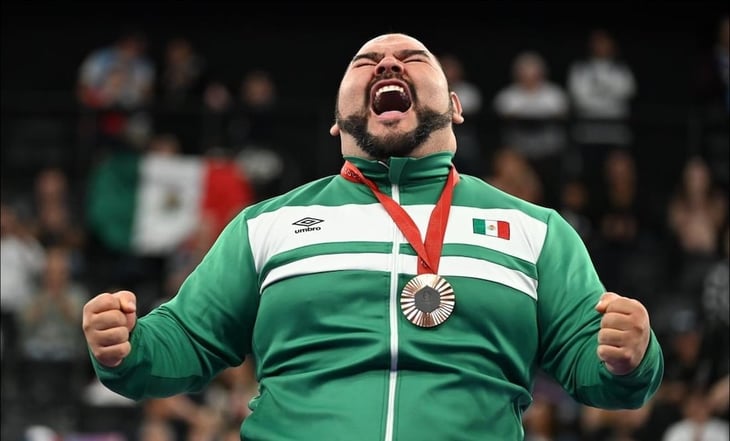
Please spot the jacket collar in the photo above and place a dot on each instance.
(405, 170)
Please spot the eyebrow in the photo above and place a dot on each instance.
(377, 56)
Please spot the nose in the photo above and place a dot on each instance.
(389, 65)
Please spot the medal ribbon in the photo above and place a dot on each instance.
(429, 251)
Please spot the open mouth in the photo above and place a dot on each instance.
(389, 97)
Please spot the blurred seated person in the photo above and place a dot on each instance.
(183, 76)
(512, 173)
(532, 112)
(697, 213)
(119, 75)
(50, 322)
(601, 87)
(115, 84)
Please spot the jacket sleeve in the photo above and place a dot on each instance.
(182, 344)
(568, 291)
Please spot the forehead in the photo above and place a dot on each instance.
(390, 43)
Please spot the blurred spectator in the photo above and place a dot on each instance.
(613, 425)
(716, 289)
(252, 132)
(574, 206)
(210, 414)
(57, 214)
(38, 432)
(718, 397)
(120, 75)
(625, 220)
(693, 362)
(156, 430)
(115, 85)
(217, 105)
(602, 85)
(512, 173)
(179, 93)
(53, 350)
(697, 212)
(698, 422)
(183, 76)
(715, 300)
(532, 111)
(56, 210)
(51, 323)
(601, 88)
(469, 157)
(253, 115)
(22, 259)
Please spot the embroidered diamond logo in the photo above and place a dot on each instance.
(307, 222)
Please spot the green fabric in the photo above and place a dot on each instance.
(112, 199)
(331, 345)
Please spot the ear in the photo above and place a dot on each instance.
(335, 130)
(457, 117)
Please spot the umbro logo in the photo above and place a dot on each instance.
(308, 223)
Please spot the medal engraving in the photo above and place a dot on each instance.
(427, 300)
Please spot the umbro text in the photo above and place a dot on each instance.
(304, 230)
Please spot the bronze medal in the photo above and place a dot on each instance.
(427, 300)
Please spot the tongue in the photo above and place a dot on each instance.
(391, 101)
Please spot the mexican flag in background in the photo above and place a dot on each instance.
(149, 204)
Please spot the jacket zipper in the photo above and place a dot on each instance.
(393, 313)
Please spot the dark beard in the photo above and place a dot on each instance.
(393, 145)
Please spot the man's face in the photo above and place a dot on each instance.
(392, 97)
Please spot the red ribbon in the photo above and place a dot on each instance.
(429, 251)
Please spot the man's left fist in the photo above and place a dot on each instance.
(624, 334)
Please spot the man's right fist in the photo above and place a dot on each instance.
(108, 320)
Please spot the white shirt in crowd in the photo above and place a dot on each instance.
(547, 101)
(21, 263)
(601, 88)
(714, 429)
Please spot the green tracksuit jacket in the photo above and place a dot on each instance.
(309, 283)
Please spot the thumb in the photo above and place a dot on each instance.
(127, 301)
(605, 299)
(128, 305)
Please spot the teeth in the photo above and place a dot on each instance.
(389, 88)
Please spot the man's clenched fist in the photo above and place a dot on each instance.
(108, 320)
(624, 334)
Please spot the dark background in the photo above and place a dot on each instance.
(307, 45)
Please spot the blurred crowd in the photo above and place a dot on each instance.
(208, 148)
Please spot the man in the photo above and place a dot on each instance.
(359, 330)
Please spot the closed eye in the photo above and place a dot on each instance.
(364, 64)
(416, 60)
